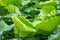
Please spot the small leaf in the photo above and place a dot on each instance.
(13, 9)
(48, 11)
(25, 2)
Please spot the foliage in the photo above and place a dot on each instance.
(56, 34)
(29, 19)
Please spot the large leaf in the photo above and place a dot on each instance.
(47, 26)
(7, 2)
(23, 25)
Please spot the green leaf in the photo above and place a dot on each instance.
(7, 2)
(48, 11)
(3, 26)
(21, 33)
(47, 26)
(24, 26)
(47, 3)
(35, 1)
(10, 15)
(25, 2)
(56, 34)
(13, 9)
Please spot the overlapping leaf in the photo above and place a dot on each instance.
(45, 27)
